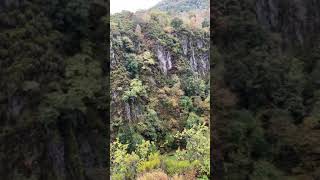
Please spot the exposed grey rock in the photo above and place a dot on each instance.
(164, 58)
(296, 20)
(198, 60)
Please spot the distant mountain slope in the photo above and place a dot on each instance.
(159, 72)
(182, 5)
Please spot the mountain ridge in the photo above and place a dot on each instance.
(182, 5)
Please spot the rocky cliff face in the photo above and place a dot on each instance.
(197, 55)
(54, 155)
(164, 58)
(296, 20)
(195, 52)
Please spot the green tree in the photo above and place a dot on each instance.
(176, 23)
(132, 64)
(136, 89)
(186, 103)
(122, 163)
(197, 148)
(150, 126)
(193, 119)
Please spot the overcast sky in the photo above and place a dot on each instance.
(131, 5)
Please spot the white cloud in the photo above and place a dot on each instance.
(131, 5)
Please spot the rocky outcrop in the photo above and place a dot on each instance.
(193, 50)
(132, 110)
(296, 20)
(164, 58)
(40, 153)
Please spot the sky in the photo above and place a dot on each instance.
(131, 5)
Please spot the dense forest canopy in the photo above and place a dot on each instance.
(53, 72)
(266, 89)
(160, 108)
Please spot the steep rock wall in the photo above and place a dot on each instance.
(296, 20)
(193, 49)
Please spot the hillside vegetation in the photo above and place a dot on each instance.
(160, 96)
(53, 99)
(179, 6)
(266, 89)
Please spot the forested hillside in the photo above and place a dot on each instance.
(53, 99)
(160, 108)
(180, 6)
(266, 89)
